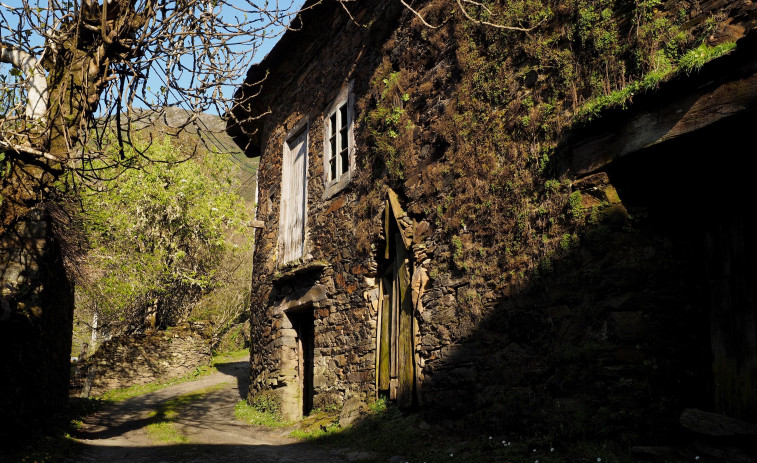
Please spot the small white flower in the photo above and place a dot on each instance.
(503, 443)
(534, 450)
(696, 458)
(451, 454)
(490, 437)
(598, 460)
(551, 449)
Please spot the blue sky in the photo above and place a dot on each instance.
(156, 82)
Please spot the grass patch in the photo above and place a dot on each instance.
(694, 59)
(319, 424)
(254, 416)
(162, 427)
(388, 432)
(229, 357)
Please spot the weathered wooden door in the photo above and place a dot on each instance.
(396, 366)
(293, 197)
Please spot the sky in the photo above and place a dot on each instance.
(155, 82)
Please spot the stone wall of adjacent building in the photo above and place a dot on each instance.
(36, 313)
(140, 359)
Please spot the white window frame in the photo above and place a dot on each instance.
(335, 184)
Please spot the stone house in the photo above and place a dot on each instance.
(392, 259)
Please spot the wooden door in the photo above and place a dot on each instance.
(395, 356)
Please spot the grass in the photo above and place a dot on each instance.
(229, 357)
(691, 61)
(694, 59)
(387, 432)
(256, 417)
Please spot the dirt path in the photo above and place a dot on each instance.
(199, 418)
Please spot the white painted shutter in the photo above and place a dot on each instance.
(293, 198)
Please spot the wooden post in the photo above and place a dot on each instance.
(406, 363)
(384, 365)
(395, 319)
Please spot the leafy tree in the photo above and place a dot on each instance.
(158, 231)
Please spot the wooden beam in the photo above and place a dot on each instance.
(387, 250)
(659, 122)
(398, 214)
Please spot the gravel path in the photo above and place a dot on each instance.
(118, 433)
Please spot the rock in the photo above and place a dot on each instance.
(721, 453)
(353, 410)
(656, 453)
(714, 424)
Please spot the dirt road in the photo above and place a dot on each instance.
(190, 422)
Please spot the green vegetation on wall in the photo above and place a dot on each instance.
(496, 182)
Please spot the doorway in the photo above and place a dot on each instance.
(303, 324)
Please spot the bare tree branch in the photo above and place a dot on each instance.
(36, 107)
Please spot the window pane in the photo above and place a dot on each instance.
(345, 161)
(332, 125)
(332, 166)
(343, 117)
(343, 139)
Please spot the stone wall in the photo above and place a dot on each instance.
(35, 320)
(607, 334)
(330, 281)
(140, 359)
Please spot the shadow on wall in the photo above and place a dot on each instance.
(36, 321)
(652, 311)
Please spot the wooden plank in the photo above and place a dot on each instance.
(384, 377)
(406, 363)
(387, 250)
(731, 254)
(664, 121)
(377, 355)
(398, 213)
(395, 320)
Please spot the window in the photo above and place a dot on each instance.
(339, 145)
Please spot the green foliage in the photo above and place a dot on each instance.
(387, 123)
(696, 58)
(267, 402)
(158, 231)
(575, 205)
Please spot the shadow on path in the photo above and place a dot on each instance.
(241, 371)
(191, 453)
